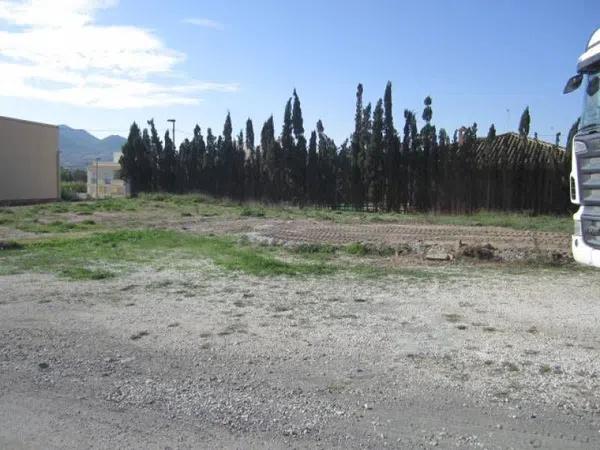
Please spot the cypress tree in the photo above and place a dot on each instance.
(427, 111)
(524, 123)
(273, 161)
(239, 160)
(156, 155)
(313, 186)
(210, 163)
(145, 162)
(374, 164)
(168, 165)
(252, 163)
(228, 160)
(341, 181)
(429, 158)
(300, 153)
(356, 177)
(184, 166)
(365, 142)
(129, 160)
(198, 156)
(327, 166)
(443, 138)
(287, 147)
(392, 155)
(491, 133)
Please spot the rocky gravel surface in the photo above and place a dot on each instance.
(204, 359)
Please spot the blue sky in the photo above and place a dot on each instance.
(100, 64)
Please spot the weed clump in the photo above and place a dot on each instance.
(10, 245)
(248, 211)
(82, 273)
(364, 249)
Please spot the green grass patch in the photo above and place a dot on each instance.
(56, 226)
(83, 273)
(205, 206)
(362, 249)
(248, 211)
(87, 257)
(121, 249)
(314, 249)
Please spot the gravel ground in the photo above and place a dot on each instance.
(205, 359)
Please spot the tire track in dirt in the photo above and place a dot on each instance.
(428, 235)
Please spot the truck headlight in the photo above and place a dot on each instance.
(577, 231)
(580, 147)
(591, 232)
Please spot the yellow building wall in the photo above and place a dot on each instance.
(97, 177)
(28, 161)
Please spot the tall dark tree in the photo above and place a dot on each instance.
(392, 152)
(184, 167)
(130, 163)
(210, 163)
(156, 154)
(491, 133)
(375, 160)
(145, 163)
(168, 165)
(428, 159)
(427, 111)
(287, 147)
(298, 170)
(313, 185)
(356, 177)
(198, 152)
(443, 138)
(238, 179)
(273, 161)
(252, 163)
(524, 123)
(327, 167)
(226, 159)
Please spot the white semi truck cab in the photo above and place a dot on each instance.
(585, 169)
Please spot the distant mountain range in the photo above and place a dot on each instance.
(78, 147)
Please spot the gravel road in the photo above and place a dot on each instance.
(205, 359)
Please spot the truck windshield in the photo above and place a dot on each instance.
(591, 105)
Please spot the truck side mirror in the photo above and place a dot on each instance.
(573, 83)
(593, 86)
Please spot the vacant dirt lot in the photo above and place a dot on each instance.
(172, 360)
(173, 353)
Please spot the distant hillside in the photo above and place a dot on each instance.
(78, 147)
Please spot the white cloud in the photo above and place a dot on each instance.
(57, 53)
(206, 23)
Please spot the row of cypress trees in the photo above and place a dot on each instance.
(378, 168)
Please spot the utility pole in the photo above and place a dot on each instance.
(97, 159)
(173, 120)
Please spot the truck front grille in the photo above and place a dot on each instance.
(588, 166)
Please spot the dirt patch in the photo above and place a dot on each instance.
(401, 369)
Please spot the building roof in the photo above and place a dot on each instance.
(13, 119)
(511, 135)
(511, 146)
(104, 164)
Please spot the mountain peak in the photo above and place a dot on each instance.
(79, 147)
